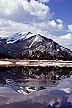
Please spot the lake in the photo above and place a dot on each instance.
(35, 87)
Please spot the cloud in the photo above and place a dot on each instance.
(33, 14)
(49, 26)
(67, 90)
(59, 21)
(69, 28)
(8, 7)
(44, 1)
(67, 36)
(24, 11)
(4, 23)
(64, 40)
(8, 28)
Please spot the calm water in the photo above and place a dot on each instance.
(35, 87)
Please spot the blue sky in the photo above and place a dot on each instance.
(52, 18)
(62, 10)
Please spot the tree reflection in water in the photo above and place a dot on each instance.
(34, 76)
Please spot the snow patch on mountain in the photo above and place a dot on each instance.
(29, 35)
(37, 39)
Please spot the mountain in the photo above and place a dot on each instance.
(33, 46)
(19, 36)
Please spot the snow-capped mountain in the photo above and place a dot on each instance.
(27, 42)
(19, 36)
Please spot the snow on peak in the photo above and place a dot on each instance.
(19, 36)
(24, 35)
(30, 34)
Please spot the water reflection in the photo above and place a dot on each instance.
(44, 75)
(39, 87)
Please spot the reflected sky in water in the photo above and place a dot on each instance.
(35, 87)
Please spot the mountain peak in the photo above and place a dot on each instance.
(19, 36)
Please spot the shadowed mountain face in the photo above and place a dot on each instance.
(28, 45)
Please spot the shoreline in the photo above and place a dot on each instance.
(42, 63)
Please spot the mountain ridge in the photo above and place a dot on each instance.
(28, 42)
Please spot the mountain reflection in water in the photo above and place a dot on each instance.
(39, 87)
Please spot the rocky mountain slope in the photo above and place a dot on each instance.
(30, 45)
